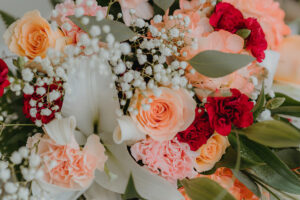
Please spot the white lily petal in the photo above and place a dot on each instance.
(91, 99)
(53, 192)
(61, 130)
(270, 63)
(96, 192)
(122, 164)
(127, 131)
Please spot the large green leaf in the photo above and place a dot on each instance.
(130, 192)
(7, 18)
(204, 189)
(273, 133)
(164, 4)
(247, 181)
(275, 173)
(287, 110)
(120, 31)
(217, 64)
(291, 157)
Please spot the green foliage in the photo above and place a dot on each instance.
(244, 33)
(291, 157)
(290, 106)
(7, 18)
(273, 133)
(275, 103)
(131, 192)
(259, 106)
(248, 182)
(204, 189)
(165, 4)
(218, 64)
(120, 31)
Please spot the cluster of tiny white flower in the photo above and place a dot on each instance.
(17, 186)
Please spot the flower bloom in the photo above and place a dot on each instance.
(40, 106)
(64, 163)
(170, 159)
(269, 16)
(63, 10)
(227, 17)
(223, 111)
(198, 132)
(142, 10)
(211, 152)
(3, 77)
(256, 42)
(170, 112)
(32, 35)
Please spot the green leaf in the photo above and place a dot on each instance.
(120, 31)
(244, 33)
(164, 4)
(130, 192)
(247, 181)
(7, 18)
(259, 106)
(275, 103)
(217, 64)
(204, 189)
(274, 166)
(287, 110)
(273, 133)
(288, 100)
(291, 157)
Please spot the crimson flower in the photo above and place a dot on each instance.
(223, 111)
(3, 77)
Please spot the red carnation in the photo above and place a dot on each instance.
(35, 103)
(223, 111)
(3, 77)
(227, 17)
(256, 42)
(198, 132)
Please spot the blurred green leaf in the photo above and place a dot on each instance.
(131, 192)
(204, 189)
(7, 18)
(164, 4)
(288, 100)
(273, 133)
(275, 103)
(218, 64)
(260, 102)
(244, 33)
(120, 31)
(291, 157)
(287, 110)
(247, 181)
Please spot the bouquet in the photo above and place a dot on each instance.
(157, 100)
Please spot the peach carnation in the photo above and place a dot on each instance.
(170, 112)
(269, 16)
(65, 164)
(211, 152)
(32, 36)
(63, 10)
(170, 159)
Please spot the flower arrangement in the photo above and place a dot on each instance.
(138, 99)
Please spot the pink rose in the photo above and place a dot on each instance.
(142, 10)
(65, 164)
(170, 112)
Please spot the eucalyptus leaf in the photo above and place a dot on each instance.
(164, 4)
(247, 181)
(275, 167)
(275, 103)
(204, 189)
(287, 110)
(259, 106)
(120, 31)
(273, 133)
(218, 64)
(7, 18)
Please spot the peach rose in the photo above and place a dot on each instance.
(268, 14)
(142, 8)
(170, 112)
(211, 152)
(289, 64)
(65, 164)
(32, 35)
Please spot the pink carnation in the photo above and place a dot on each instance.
(170, 159)
(63, 10)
